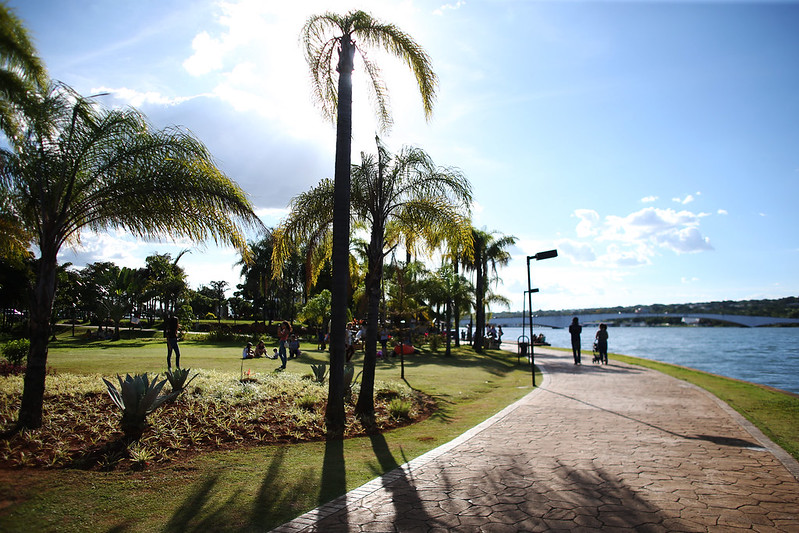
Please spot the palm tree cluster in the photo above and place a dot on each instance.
(398, 199)
(72, 166)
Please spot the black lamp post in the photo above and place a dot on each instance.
(539, 256)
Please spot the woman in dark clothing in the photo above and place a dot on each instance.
(172, 342)
(602, 343)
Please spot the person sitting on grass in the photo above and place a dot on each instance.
(294, 346)
(260, 349)
(275, 354)
(247, 352)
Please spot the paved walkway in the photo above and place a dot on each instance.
(611, 448)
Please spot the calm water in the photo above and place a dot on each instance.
(769, 356)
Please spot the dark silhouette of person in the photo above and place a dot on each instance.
(602, 343)
(172, 342)
(574, 330)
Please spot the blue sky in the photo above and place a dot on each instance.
(654, 144)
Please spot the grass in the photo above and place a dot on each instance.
(249, 486)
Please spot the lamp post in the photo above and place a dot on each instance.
(539, 256)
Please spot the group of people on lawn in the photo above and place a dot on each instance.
(288, 346)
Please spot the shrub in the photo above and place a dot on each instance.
(399, 408)
(307, 402)
(319, 372)
(435, 342)
(177, 378)
(16, 351)
(221, 334)
(137, 397)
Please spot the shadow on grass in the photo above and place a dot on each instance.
(496, 362)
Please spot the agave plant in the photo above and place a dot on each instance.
(319, 372)
(177, 378)
(137, 397)
(349, 374)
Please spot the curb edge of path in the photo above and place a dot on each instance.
(304, 521)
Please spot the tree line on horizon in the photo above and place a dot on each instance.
(787, 307)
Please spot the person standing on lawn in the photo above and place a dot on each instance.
(283, 332)
(171, 334)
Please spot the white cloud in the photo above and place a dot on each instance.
(722, 212)
(449, 7)
(688, 198)
(578, 252)
(648, 199)
(208, 55)
(138, 98)
(633, 240)
(589, 220)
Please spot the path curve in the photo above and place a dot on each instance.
(612, 448)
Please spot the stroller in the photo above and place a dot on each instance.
(596, 358)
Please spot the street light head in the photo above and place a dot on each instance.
(546, 255)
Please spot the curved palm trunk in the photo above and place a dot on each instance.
(455, 307)
(30, 411)
(334, 414)
(365, 408)
(479, 308)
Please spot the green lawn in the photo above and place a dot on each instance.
(256, 488)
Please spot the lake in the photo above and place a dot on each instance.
(769, 356)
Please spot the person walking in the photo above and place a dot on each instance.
(283, 332)
(171, 333)
(574, 330)
(602, 343)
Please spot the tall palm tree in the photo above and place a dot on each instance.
(406, 191)
(82, 168)
(490, 252)
(330, 43)
(22, 73)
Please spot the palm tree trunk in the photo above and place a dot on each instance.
(30, 411)
(365, 408)
(334, 414)
(479, 308)
(456, 311)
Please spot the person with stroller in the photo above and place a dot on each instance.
(602, 344)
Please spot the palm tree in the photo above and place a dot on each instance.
(407, 191)
(81, 168)
(330, 44)
(489, 254)
(22, 73)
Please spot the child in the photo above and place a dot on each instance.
(260, 349)
(294, 346)
(274, 355)
(246, 353)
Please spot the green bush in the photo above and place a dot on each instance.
(319, 372)
(308, 402)
(221, 334)
(399, 408)
(137, 397)
(435, 342)
(16, 351)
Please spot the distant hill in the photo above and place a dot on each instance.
(783, 307)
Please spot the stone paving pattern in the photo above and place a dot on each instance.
(612, 448)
